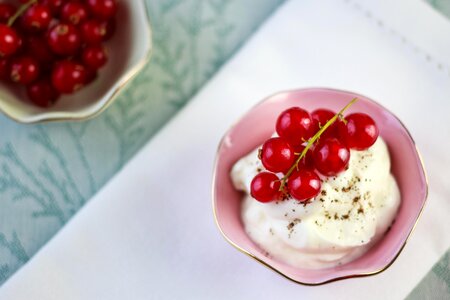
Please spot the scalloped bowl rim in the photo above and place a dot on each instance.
(101, 104)
(268, 265)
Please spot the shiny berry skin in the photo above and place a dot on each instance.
(360, 131)
(307, 161)
(102, 9)
(42, 93)
(68, 77)
(37, 47)
(304, 185)
(55, 46)
(6, 11)
(295, 125)
(331, 157)
(74, 12)
(9, 40)
(24, 70)
(64, 39)
(320, 117)
(277, 155)
(94, 57)
(36, 18)
(93, 32)
(5, 67)
(265, 187)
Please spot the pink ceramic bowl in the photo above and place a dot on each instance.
(258, 125)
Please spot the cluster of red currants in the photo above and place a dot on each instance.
(328, 152)
(54, 47)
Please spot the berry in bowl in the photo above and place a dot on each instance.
(67, 60)
(319, 185)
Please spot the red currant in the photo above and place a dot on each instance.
(6, 11)
(304, 185)
(307, 161)
(265, 187)
(360, 131)
(64, 39)
(277, 155)
(55, 5)
(68, 76)
(295, 125)
(37, 47)
(71, 30)
(36, 18)
(74, 12)
(24, 70)
(331, 157)
(42, 93)
(103, 9)
(94, 57)
(9, 40)
(94, 31)
(320, 117)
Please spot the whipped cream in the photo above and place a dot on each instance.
(350, 214)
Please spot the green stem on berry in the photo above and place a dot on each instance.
(312, 140)
(20, 11)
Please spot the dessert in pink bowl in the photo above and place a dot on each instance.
(258, 125)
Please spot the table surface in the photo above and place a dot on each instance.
(48, 172)
(71, 162)
(81, 259)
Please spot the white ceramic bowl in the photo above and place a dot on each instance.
(129, 51)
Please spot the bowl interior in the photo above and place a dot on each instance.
(258, 125)
(127, 50)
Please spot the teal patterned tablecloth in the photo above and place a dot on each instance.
(441, 5)
(436, 284)
(48, 172)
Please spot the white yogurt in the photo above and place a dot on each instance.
(350, 214)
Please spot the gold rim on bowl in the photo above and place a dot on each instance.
(337, 278)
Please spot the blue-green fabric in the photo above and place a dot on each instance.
(436, 284)
(441, 5)
(47, 172)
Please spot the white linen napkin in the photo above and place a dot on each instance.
(150, 233)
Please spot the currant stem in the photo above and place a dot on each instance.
(20, 11)
(312, 140)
